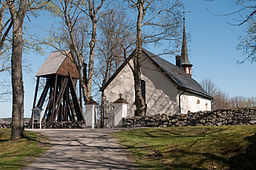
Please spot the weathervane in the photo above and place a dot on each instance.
(184, 13)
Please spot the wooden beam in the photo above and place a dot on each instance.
(78, 110)
(36, 90)
(35, 96)
(80, 93)
(49, 105)
(71, 112)
(54, 94)
(60, 96)
(44, 94)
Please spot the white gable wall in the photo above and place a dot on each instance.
(160, 91)
(162, 95)
(194, 103)
(123, 83)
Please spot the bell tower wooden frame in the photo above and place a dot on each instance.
(59, 92)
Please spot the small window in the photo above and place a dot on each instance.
(143, 89)
(206, 106)
(198, 101)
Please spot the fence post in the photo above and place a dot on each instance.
(120, 111)
(90, 113)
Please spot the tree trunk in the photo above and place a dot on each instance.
(102, 111)
(17, 82)
(91, 57)
(105, 78)
(139, 101)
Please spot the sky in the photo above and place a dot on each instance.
(212, 51)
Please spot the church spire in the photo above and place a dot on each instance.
(185, 64)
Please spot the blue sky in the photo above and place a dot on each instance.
(213, 51)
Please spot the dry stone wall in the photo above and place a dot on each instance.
(5, 125)
(246, 116)
(55, 125)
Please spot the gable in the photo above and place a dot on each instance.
(68, 67)
(117, 71)
(51, 64)
(174, 74)
(58, 63)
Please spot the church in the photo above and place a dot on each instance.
(166, 87)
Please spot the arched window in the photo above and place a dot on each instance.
(198, 101)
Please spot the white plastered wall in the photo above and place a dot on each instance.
(161, 93)
(193, 103)
(120, 112)
(123, 84)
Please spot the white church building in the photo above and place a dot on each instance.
(166, 88)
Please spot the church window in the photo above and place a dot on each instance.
(198, 101)
(143, 89)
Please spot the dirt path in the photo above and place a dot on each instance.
(82, 149)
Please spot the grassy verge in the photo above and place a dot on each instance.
(192, 147)
(18, 154)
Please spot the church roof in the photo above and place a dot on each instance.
(173, 72)
(177, 75)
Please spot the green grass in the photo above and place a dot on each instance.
(223, 147)
(18, 154)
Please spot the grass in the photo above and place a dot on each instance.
(18, 154)
(223, 147)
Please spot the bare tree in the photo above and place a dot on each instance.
(163, 17)
(92, 10)
(72, 35)
(248, 42)
(18, 11)
(115, 40)
(115, 33)
(209, 87)
(221, 101)
(242, 102)
(17, 16)
(245, 15)
(5, 27)
(71, 11)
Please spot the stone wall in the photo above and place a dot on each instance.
(5, 125)
(246, 116)
(55, 125)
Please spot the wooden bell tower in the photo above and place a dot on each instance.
(61, 75)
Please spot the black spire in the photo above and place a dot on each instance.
(184, 53)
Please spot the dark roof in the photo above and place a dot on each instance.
(91, 102)
(121, 100)
(184, 50)
(177, 75)
(173, 72)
